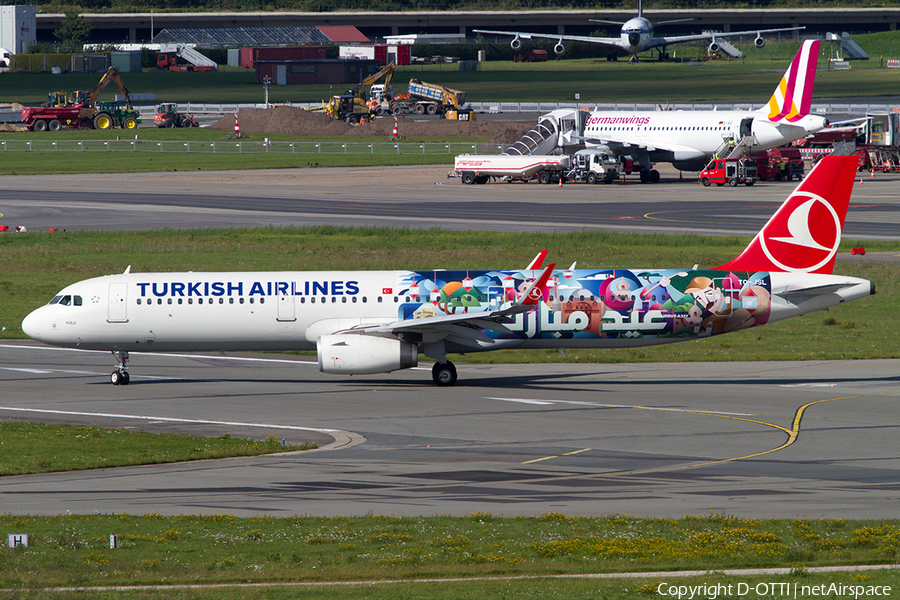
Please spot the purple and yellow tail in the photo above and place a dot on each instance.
(792, 97)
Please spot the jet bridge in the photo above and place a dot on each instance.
(554, 131)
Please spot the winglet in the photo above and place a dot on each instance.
(792, 98)
(804, 234)
(535, 291)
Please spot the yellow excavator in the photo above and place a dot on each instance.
(105, 115)
(361, 102)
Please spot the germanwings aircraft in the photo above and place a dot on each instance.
(636, 36)
(689, 139)
(362, 322)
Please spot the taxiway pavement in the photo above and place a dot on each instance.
(792, 440)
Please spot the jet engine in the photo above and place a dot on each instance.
(357, 354)
(559, 48)
(759, 42)
(713, 48)
(516, 43)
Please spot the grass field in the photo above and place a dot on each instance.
(556, 80)
(221, 549)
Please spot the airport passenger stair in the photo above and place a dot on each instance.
(849, 48)
(726, 48)
(540, 139)
(745, 146)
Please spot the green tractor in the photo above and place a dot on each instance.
(115, 114)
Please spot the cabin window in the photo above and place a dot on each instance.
(159, 300)
(180, 301)
(365, 299)
(199, 300)
(66, 301)
(139, 301)
(241, 300)
(379, 299)
(231, 301)
(333, 299)
(262, 300)
(221, 300)
(190, 300)
(170, 301)
(312, 300)
(354, 299)
(251, 299)
(344, 299)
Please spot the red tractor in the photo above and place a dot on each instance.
(167, 115)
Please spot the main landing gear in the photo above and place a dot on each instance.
(444, 374)
(120, 375)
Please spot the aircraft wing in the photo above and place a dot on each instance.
(605, 41)
(676, 39)
(467, 326)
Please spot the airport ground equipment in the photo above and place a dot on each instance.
(732, 171)
(593, 166)
(170, 53)
(167, 115)
(474, 168)
(779, 164)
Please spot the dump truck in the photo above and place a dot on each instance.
(429, 98)
(475, 168)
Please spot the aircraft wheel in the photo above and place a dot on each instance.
(654, 176)
(733, 182)
(126, 378)
(645, 176)
(115, 378)
(444, 374)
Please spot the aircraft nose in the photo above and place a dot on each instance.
(32, 325)
(634, 38)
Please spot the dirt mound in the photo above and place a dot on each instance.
(296, 121)
(11, 127)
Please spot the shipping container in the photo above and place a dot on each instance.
(250, 55)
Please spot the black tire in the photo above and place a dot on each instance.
(481, 179)
(468, 177)
(733, 182)
(544, 177)
(654, 176)
(444, 374)
(169, 124)
(420, 109)
(396, 110)
(705, 181)
(103, 120)
(115, 378)
(778, 177)
(592, 178)
(432, 109)
(40, 125)
(749, 182)
(353, 119)
(645, 176)
(54, 125)
(187, 123)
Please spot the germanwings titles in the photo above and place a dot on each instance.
(365, 322)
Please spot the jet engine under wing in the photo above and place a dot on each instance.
(677, 39)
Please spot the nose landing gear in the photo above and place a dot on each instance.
(120, 375)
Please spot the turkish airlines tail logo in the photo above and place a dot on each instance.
(792, 97)
(804, 234)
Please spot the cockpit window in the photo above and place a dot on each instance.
(77, 300)
(66, 301)
(55, 299)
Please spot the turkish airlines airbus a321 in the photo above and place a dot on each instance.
(363, 322)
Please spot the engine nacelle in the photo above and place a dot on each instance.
(355, 354)
(516, 43)
(713, 48)
(759, 42)
(559, 48)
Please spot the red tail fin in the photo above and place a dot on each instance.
(804, 234)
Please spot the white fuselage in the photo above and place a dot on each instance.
(291, 310)
(689, 136)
